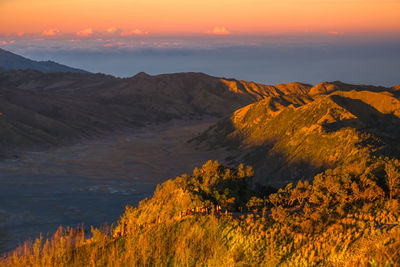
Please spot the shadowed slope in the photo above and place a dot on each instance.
(32, 120)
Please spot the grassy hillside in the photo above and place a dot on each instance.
(338, 219)
(290, 138)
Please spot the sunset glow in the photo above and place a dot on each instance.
(193, 17)
(271, 39)
(199, 133)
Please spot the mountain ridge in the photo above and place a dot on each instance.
(287, 139)
(64, 107)
(11, 61)
(70, 106)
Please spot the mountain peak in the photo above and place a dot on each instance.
(330, 87)
(141, 75)
(396, 87)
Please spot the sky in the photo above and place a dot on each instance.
(190, 17)
(268, 41)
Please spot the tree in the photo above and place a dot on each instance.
(392, 177)
(245, 171)
(254, 202)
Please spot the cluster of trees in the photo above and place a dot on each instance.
(341, 218)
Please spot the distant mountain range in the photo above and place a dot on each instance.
(45, 109)
(11, 61)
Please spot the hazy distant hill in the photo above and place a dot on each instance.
(11, 61)
(291, 138)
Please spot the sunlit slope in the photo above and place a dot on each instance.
(396, 88)
(288, 138)
(330, 87)
(260, 91)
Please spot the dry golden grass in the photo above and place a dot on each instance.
(337, 220)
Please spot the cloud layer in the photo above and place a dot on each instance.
(219, 30)
(85, 32)
(90, 32)
(133, 32)
(51, 32)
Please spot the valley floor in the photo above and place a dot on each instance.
(92, 182)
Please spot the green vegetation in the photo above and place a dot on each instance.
(338, 219)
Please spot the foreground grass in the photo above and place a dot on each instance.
(339, 219)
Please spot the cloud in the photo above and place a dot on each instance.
(113, 31)
(86, 32)
(109, 33)
(117, 44)
(51, 32)
(133, 32)
(335, 33)
(4, 42)
(219, 31)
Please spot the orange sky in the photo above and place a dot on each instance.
(52, 17)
